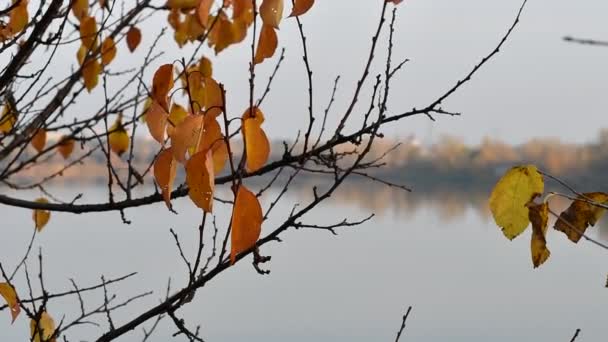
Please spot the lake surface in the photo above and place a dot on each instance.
(441, 254)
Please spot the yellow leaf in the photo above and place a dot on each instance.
(267, 44)
(7, 119)
(513, 191)
(200, 180)
(271, 12)
(186, 135)
(176, 116)
(246, 222)
(44, 330)
(41, 217)
(10, 296)
(88, 32)
(133, 38)
(90, 74)
(300, 7)
(156, 119)
(119, 138)
(202, 11)
(80, 9)
(81, 54)
(165, 167)
(162, 83)
(575, 220)
(108, 51)
(66, 146)
(539, 216)
(205, 67)
(39, 139)
(196, 91)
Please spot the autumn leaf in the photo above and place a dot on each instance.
(18, 21)
(202, 11)
(39, 140)
(222, 34)
(300, 7)
(7, 119)
(41, 217)
(214, 99)
(45, 328)
(108, 51)
(165, 167)
(513, 191)
(257, 146)
(205, 67)
(575, 220)
(539, 216)
(162, 83)
(182, 4)
(271, 12)
(242, 11)
(88, 32)
(186, 135)
(156, 119)
(200, 180)
(80, 9)
(246, 222)
(267, 44)
(12, 300)
(66, 146)
(90, 74)
(396, 2)
(196, 91)
(176, 116)
(118, 137)
(133, 38)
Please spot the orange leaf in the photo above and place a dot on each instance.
(41, 217)
(39, 139)
(242, 10)
(246, 222)
(213, 98)
(200, 179)
(220, 156)
(186, 135)
(267, 44)
(196, 91)
(12, 300)
(165, 167)
(271, 12)
(300, 7)
(182, 4)
(396, 2)
(205, 67)
(257, 146)
(202, 11)
(7, 119)
(19, 18)
(90, 73)
(108, 51)
(222, 34)
(133, 38)
(88, 32)
(66, 146)
(156, 119)
(80, 9)
(162, 84)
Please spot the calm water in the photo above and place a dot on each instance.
(441, 254)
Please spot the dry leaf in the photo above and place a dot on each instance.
(66, 146)
(539, 216)
(200, 180)
(575, 220)
(108, 51)
(271, 12)
(162, 84)
(119, 138)
(133, 38)
(186, 135)
(300, 7)
(44, 330)
(39, 140)
(156, 119)
(267, 44)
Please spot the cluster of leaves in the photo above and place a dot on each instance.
(514, 206)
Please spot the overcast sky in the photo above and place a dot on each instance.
(538, 85)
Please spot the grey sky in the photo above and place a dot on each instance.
(537, 86)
